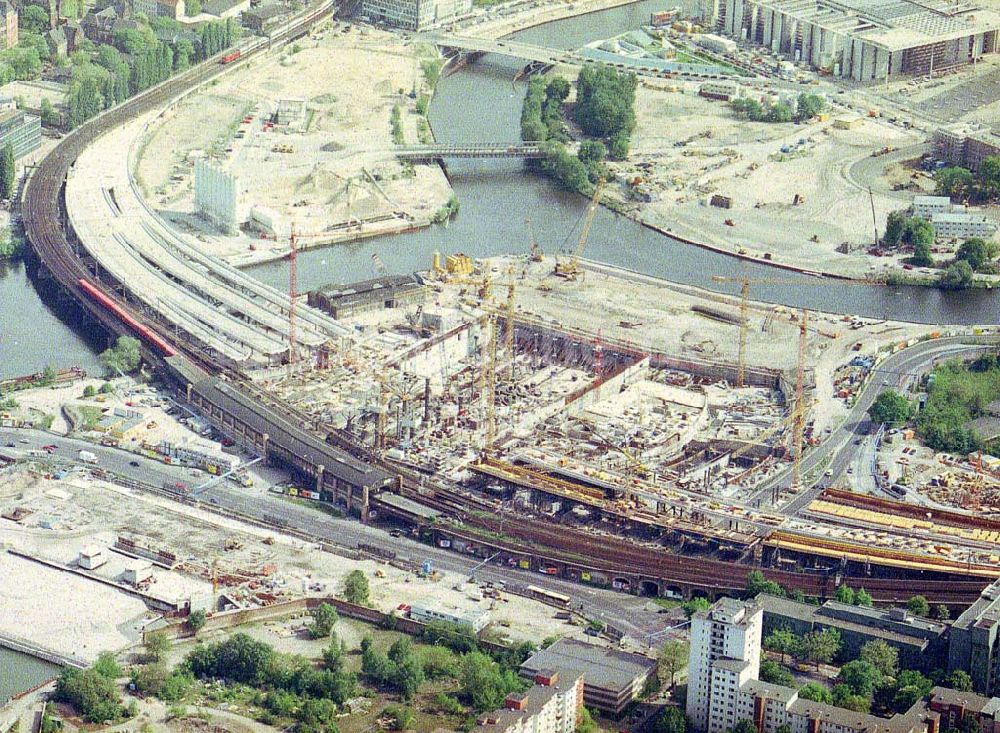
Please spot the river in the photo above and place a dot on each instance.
(20, 672)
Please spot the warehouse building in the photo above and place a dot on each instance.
(864, 40)
(343, 301)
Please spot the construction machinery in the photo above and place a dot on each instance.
(536, 251)
(570, 269)
(635, 463)
(745, 283)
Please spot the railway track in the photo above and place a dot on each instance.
(45, 224)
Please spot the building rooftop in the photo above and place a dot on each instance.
(534, 699)
(987, 606)
(608, 669)
(771, 691)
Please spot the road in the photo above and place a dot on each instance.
(628, 613)
(842, 446)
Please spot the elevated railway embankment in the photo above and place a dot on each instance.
(341, 472)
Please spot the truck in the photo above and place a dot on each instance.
(87, 457)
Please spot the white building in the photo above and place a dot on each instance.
(92, 557)
(477, 619)
(215, 195)
(927, 206)
(415, 15)
(137, 571)
(962, 225)
(714, 43)
(723, 684)
(552, 705)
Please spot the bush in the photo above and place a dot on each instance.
(958, 276)
(196, 620)
(400, 717)
(93, 695)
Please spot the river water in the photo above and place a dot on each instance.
(19, 672)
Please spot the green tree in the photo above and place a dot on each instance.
(592, 151)
(484, 683)
(356, 589)
(881, 656)
(941, 612)
(779, 112)
(408, 676)
(670, 720)
(890, 408)
(757, 583)
(861, 676)
(196, 620)
(238, 659)
(33, 19)
(149, 679)
(820, 647)
(157, 644)
(783, 641)
(809, 105)
(618, 146)
(605, 100)
(673, 657)
(863, 598)
(744, 725)
(324, 618)
(845, 594)
(895, 226)
(918, 606)
(977, 252)
(989, 177)
(93, 695)
(696, 604)
(400, 717)
(107, 666)
(816, 692)
(123, 357)
(954, 182)
(333, 655)
(922, 255)
(776, 674)
(960, 680)
(89, 391)
(8, 172)
(844, 697)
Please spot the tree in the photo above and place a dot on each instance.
(33, 19)
(484, 684)
(696, 604)
(8, 171)
(672, 659)
(977, 252)
(123, 357)
(989, 177)
(922, 254)
(618, 146)
(408, 676)
(356, 589)
(820, 647)
(89, 391)
(670, 720)
(605, 100)
(777, 674)
(196, 620)
(238, 659)
(333, 655)
(845, 594)
(960, 680)
(958, 276)
(783, 641)
(107, 666)
(93, 695)
(941, 612)
(890, 408)
(592, 151)
(324, 618)
(744, 726)
(954, 182)
(861, 676)
(157, 645)
(863, 598)
(895, 226)
(779, 112)
(881, 656)
(757, 583)
(400, 717)
(816, 692)
(918, 606)
(809, 105)
(844, 697)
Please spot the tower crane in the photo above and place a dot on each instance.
(745, 283)
(293, 286)
(570, 269)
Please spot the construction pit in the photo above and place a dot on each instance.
(633, 419)
(310, 150)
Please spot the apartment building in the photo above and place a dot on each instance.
(551, 705)
(723, 684)
(973, 644)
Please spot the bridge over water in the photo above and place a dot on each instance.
(470, 150)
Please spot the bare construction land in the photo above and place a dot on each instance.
(328, 168)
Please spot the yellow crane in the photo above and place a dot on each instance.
(536, 251)
(745, 283)
(570, 269)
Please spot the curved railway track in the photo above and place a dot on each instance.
(46, 228)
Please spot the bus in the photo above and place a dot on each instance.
(547, 596)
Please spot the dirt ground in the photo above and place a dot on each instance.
(744, 161)
(333, 172)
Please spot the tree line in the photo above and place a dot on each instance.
(807, 106)
(981, 186)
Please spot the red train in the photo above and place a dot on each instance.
(142, 331)
(230, 57)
